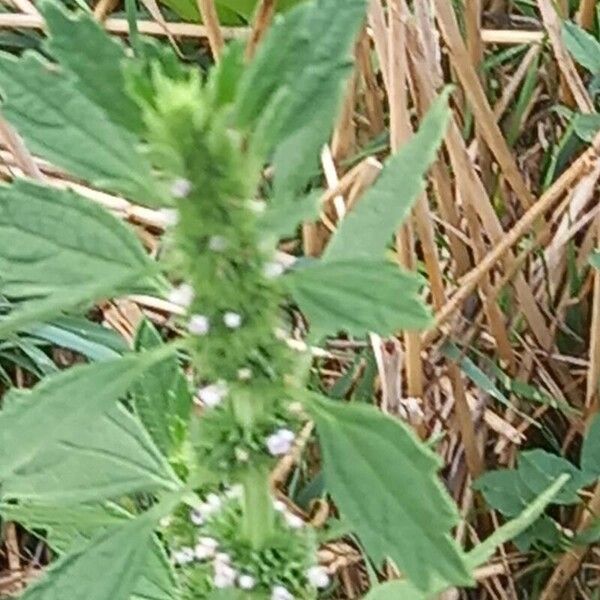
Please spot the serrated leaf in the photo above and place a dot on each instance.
(384, 482)
(358, 296)
(584, 48)
(55, 240)
(82, 46)
(110, 459)
(68, 528)
(162, 398)
(368, 228)
(67, 128)
(107, 569)
(590, 452)
(282, 218)
(64, 404)
(292, 90)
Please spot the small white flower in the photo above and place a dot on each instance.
(244, 374)
(246, 582)
(217, 243)
(280, 593)
(199, 325)
(235, 491)
(222, 558)
(271, 270)
(225, 576)
(232, 320)
(183, 556)
(208, 542)
(214, 502)
(166, 521)
(242, 455)
(182, 295)
(203, 552)
(279, 506)
(317, 577)
(257, 206)
(280, 442)
(197, 517)
(212, 395)
(170, 216)
(181, 188)
(294, 521)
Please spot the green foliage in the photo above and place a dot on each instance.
(63, 125)
(584, 48)
(367, 230)
(358, 296)
(403, 512)
(510, 491)
(162, 398)
(122, 551)
(41, 256)
(66, 459)
(291, 92)
(83, 49)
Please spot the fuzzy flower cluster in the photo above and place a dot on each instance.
(224, 572)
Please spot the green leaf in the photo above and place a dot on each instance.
(67, 128)
(282, 217)
(61, 408)
(69, 528)
(107, 569)
(55, 240)
(538, 469)
(396, 590)
(112, 458)
(501, 491)
(162, 398)
(586, 126)
(584, 48)
(358, 296)
(590, 452)
(484, 551)
(368, 228)
(384, 482)
(291, 92)
(83, 47)
(60, 300)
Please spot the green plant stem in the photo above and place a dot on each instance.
(259, 514)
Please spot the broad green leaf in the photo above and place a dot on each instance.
(281, 219)
(109, 459)
(384, 482)
(501, 491)
(358, 296)
(83, 47)
(584, 48)
(368, 228)
(292, 91)
(34, 311)
(69, 528)
(590, 452)
(63, 404)
(162, 398)
(67, 128)
(106, 569)
(484, 551)
(54, 240)
(538, 469)
(586, 126)
(397, 590)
